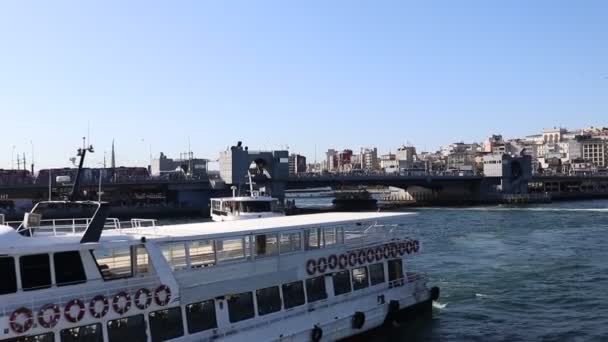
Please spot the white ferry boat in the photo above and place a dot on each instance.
(320, 277)
(244, 207)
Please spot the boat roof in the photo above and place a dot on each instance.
(246, 199)
(10, 240)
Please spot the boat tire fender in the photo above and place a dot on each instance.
(316, 334)
(358, 320)
(322, 265)
(332, 262)
(435, 293)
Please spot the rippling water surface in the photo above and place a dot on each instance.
(513, 274)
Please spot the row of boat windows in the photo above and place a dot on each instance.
(36, 272)
(167, 324)
(202, 253)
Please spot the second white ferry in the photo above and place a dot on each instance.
(320, 277)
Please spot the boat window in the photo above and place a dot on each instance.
(142, 260)
(376, 273)
(35, 271)
(48, 337)
(269, 300)
(240, 307)
(166, 324)
(87, 333)
(255, 206)
(132, 329)
(201, 316)
(360, 278)
(114, 263)
(202, 253)
(68, 268)
(290, 242)
(293, 294)
(9, 275)
(266, 245)
(329, 234)
(395, 269)
(230, 249)
(315, 289)
(341, 282)
(175, 254)
(313, 238)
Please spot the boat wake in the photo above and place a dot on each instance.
(439, 306)
(600, 210)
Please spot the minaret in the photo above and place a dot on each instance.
(113, 161)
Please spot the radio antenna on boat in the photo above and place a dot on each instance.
(82, 152)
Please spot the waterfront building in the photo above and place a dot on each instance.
(297, 164)
(461, 156)
(186, 164)
(406, 153)
(369, 159)
(595, 150)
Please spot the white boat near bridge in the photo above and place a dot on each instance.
(320, 277)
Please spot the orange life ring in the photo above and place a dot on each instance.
(322, 265)
(416, 246)
(18, 325)
(137, 299)
(402, 248)
(93, 306)
(361, 258)
(342, 261)
(311, 267)
(332, 262)
(409, 247)
(352, 259)
(378, 253)
(125, 307)
(393, 250)
(67, 311)
(370, 255)
(52, 320)
(157, 295)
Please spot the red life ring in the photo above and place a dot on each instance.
(342, 261)
(387, 252)
(104, 308)
(408, 247)
(416, 246)
(67, 311)
(137, 299)
(21, 320)
(370, 255)
(332, 262)
(361, 258)
(393, 249)
(49, 321)
(352, 259)
(402, 248)
(311, 266)
(121, 308)
(378, 253)
(167, 294)
(322, 265)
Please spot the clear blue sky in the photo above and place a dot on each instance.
(298, 73)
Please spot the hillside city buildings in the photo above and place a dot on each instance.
(553, 151)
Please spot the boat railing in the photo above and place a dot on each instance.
(35, 302)
(79, 225)
(371, 235)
